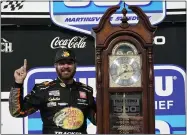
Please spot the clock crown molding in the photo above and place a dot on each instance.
(105, 29)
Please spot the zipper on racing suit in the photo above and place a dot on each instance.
(70, 97)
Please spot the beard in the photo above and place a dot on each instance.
(66, 74)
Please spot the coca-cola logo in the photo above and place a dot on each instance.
(75, 42)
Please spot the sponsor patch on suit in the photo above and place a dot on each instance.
(54, 93)
(83, 94)
(54, 99)
(51, 104)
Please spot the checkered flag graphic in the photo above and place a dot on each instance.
(12, 4)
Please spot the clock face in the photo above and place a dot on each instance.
(125, 71)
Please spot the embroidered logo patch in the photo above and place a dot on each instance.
(82, 94)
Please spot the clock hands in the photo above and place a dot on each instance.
(124, 71)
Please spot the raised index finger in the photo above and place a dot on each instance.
(25, 64)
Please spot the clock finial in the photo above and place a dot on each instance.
(124, 23)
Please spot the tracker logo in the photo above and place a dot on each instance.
(169, 96)
(83, 16)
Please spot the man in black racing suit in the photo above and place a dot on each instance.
(64, 104)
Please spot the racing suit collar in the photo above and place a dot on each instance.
(62, 82)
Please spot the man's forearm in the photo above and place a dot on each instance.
(16, 103)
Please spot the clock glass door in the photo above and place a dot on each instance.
(125, 94)
(125, 113)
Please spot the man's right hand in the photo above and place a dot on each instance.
(21, 73)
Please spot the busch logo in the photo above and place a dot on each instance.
(75, 42)
(6, 46)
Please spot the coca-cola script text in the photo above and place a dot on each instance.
(75, 42)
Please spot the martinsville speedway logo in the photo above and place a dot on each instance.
(169, 97)
(82, 16)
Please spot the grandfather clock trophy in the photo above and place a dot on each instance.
(125, 74)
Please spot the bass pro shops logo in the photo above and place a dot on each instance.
(169, 97)
(83, 16)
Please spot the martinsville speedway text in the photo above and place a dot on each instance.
(93, 19)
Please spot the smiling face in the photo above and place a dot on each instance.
(65, 69)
